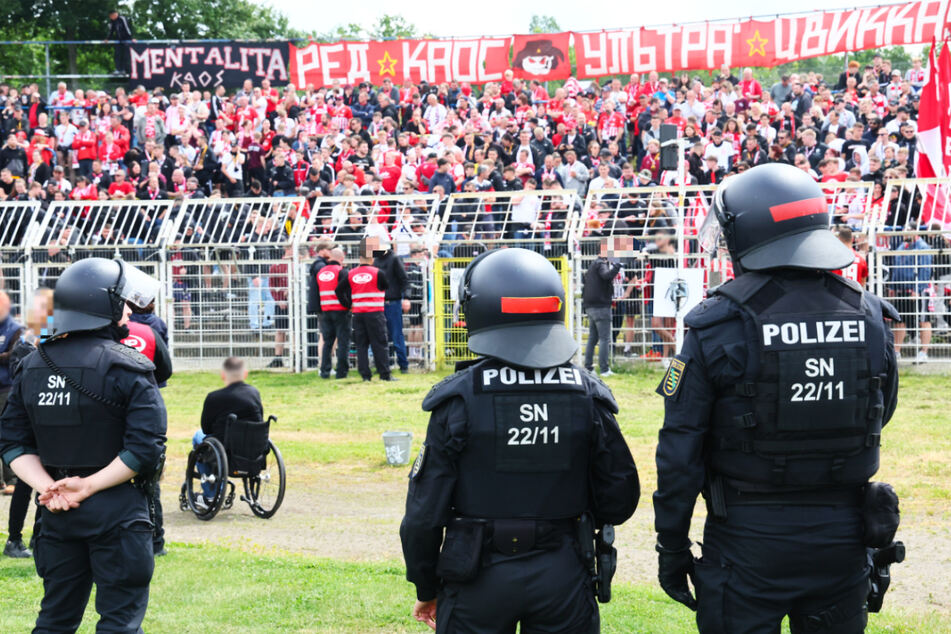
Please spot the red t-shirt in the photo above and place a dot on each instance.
(857, 271)
(611, 126)
(125, 188)
(390, 175)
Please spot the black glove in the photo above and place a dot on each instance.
(674, 566)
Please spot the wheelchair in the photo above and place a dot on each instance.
(243, 450)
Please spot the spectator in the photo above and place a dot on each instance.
(397, 301)
(858, 270)
(916, 75)
(574, 174)
(781, 90)
(279, 287)
(911, 291)
(597, 297)
(120, 30)
(442, 178)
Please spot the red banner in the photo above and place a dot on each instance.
(435, 61)
(541, 56)
(700, 46)
(706, 46)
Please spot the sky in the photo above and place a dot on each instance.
(500, 17)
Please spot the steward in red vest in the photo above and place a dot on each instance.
(143, 338)
(363, 289)
(335, 326)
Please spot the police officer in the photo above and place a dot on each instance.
(335, 325)
(363, 290)
(521, 452)
(774, 409)
(10, 334)
(83, 419)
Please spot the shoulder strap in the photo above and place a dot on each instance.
(452, 385)
(600, 392)
(741, 289)
(76, 385)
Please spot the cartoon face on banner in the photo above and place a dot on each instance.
(539, 57)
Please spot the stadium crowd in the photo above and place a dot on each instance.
(437, 140)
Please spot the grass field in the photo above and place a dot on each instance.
(329, 561)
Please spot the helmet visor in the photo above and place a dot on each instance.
(710, 235)
(136, 287)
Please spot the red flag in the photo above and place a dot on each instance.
(934, 130)
(944, 77)
(930, 156)
(542, 56)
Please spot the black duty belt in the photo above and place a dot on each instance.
(58, 473)
(818, 497)
(513, 536)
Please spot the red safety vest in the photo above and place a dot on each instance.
(367, 296)
(327, 279)
(142, 338)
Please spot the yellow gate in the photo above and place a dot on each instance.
(449, 327)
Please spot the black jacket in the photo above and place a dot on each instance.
(313, 296)
(120, 29)
(240, 399)
(395, 274)
(599, 283)
(281, 178)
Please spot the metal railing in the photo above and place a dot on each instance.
(234, 272)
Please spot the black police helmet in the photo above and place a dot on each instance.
(514, 305)
(774, 216)
(91, 294)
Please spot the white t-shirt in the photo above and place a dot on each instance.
(525, 211)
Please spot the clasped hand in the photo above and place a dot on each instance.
(65, 494)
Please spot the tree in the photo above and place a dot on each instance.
(393, 27)
(543, 24)
(387, 27)
(209, 19)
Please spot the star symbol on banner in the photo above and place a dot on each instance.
(757, 44)
(387, 61)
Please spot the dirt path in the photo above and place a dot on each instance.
(345, 512)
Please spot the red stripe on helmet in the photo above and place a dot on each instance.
(798, 209)
(529, 305)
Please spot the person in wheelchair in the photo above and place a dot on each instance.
(233, 442)
(238, 398)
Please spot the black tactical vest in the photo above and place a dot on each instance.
(526, 442)
(809, 411)
(73, 430)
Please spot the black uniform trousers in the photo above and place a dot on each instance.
(765, 562)
(107, 540)
(335, 326)
(158, 534)
(314, 330)
(544, 591)
(369, 331)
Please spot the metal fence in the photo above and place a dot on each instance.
(449, 336)
(18, 223)
(230, 267)
(234, 272)
(412, 223)
(663, 273)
